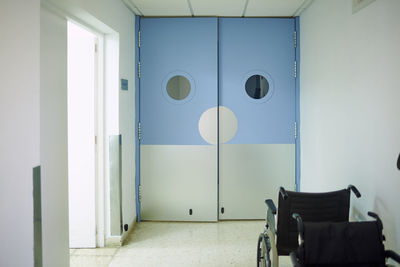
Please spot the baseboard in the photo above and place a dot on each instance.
(131, 226)
(117, 241)
(113, 241)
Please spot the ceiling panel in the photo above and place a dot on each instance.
(231, 8)
(272, 8)
(163, 7)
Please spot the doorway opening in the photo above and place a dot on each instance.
(84, 134)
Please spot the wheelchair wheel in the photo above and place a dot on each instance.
(272, 249)
(263, 248)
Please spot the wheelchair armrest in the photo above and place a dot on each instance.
(283, 193)
(271, 212)
(271, 205)
(393, 255)
(300, 226)
(355, 190)
(376, 217)
(293, 259)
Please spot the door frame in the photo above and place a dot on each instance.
(137, 117)
(297, 101)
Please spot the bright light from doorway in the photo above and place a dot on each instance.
(81, 136)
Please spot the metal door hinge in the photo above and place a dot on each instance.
(295, 69)
(95, 139)
(95, 48)
(139, 131)
(139, 69)
(295, 130)
(140, 193)
(139, 38)
(295, 39)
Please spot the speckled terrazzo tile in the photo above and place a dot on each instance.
(228, 243)
(95, 252)
(90, 261)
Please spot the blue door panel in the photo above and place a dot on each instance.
(169, 47)
(264, 46)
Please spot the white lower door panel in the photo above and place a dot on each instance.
(179, 182)
(251, 173)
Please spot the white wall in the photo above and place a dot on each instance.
(19, 134)
(350, 93)
(53, 138)
(118, 17)
(113, 18)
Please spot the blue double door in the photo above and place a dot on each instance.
(217, 114)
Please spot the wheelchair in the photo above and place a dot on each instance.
(335, 244)
(281, 238)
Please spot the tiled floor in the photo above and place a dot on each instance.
(219, 244)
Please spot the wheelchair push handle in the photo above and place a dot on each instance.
(283, 193)
(376, 217)
(355, 190)
(271, 205)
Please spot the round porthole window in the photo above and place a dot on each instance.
(178, 87)
(257, 86)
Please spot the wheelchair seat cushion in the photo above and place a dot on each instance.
(315, 207)
(342, 244)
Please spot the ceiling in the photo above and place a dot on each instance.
(221, 8)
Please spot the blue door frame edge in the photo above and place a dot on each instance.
(218, 104)
(297, 53)
(137, 117)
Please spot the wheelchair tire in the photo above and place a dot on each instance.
(263, 259)
(273, 258)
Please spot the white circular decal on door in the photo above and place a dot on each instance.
(227, 125)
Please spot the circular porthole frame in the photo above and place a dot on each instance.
(192, 87)
(271, 89)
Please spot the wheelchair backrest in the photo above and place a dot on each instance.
(342, 244)
(314, 207)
